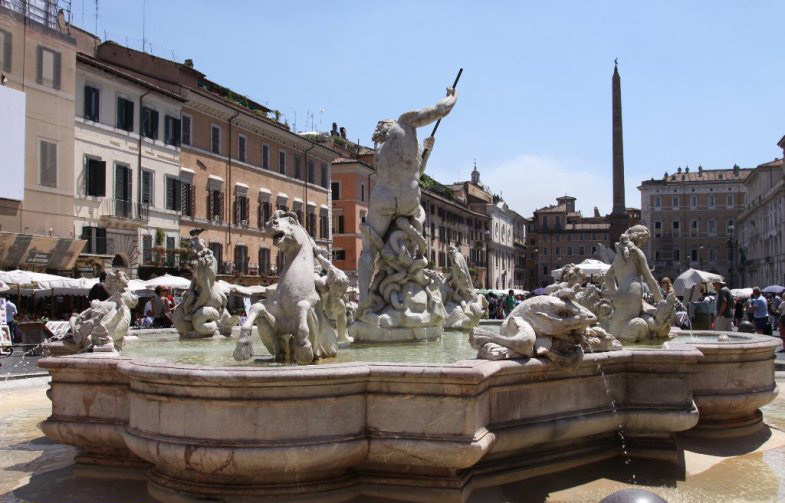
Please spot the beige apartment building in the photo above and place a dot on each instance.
(690, 215)
(238, 164)
(759, 240)
(37, 62)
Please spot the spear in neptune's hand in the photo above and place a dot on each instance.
(435, 127)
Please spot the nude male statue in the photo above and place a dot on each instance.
(400, 162)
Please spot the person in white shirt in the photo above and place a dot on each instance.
(10, 315)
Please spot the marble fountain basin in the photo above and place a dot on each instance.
(418, 432)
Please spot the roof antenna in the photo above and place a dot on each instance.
(144, 11)
(96, 17)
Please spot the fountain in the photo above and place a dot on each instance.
(549, 391)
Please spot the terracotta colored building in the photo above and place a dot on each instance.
(238, 164)
(351, 183)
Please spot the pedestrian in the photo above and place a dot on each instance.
(724, 303)
(10, 318)
(782, 321)
(98, 291)
(665, 286)
(774, 309)
(738, 311)
(760, 311)
(492, 303)
(509, 303)
(160, 306)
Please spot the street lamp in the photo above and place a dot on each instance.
(487, 259)
(700, 256)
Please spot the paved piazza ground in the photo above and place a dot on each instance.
(36, 470)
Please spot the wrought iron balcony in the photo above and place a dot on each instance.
(118, 210)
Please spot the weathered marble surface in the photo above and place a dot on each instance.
(102, 326)
(464, 307)
(203, 311)
(328, 432)
(292, 322)
(631, 318)
(400, 298)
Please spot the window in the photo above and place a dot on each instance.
(694, 228)
(712, 200)
(122, 190)
(241, 206)
(48, 163)
(676, 255)
(545, 269)
(265, 157)
(712, 254)
(173, 194)
(91, 103)
(339, 254)
(325, 174)
(581, 251)
(693, 201)
(311, 172)
(675, 226)
(364, 214)
(188, 203)
(729, 200)
(95, 178)
(264, 213)
(218, 252)
(150, 123)
(362, 192)
(5, 51)
(310, 223)
(558, 251)
(241, 148)
(657, 202)
(172, 131)
(185, 136)
(694, 255)
(712, 227)
(125, 114)
(337, 223)
(215, 205)
(297, 168)
(96, 240)
(264, 261)
(657, 229)
(147, 187)
(48, 68)
(241, 259)
(170, 242)
(215, 139)
(545, 251)
(147, 249)
(282, 162)
(336, 188)
(675, 202)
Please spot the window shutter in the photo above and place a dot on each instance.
(192, 196)
(7, 51)
(146, 187)
(235, 212)
(39, 65)
(169, 193)
(57, 70)
(88, 102)
(177, 133)
(100, 179)
(96, 105)
(185, 197)
(100, 241)
(209, 204)
(221, 206)
(259, 217)
(128, 115)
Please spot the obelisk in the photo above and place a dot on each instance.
(619, 221)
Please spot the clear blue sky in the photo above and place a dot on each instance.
(702, 82)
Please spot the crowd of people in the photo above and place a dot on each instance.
(500, 306)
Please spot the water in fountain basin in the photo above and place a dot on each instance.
(217, 351)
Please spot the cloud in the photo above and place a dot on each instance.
(531, 181)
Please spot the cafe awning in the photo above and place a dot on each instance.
(26, 251)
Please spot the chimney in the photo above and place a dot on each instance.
(700, 170)
(735, 170)
(343, 133)
(597, 212)
(334, 131)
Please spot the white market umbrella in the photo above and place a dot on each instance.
(741, 292)
(168, 281)
(3, 287)
(589, 267)
(688, 284)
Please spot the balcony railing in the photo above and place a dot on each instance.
(124, 210)
(161, 257)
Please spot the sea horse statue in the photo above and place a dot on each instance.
(292, 324)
